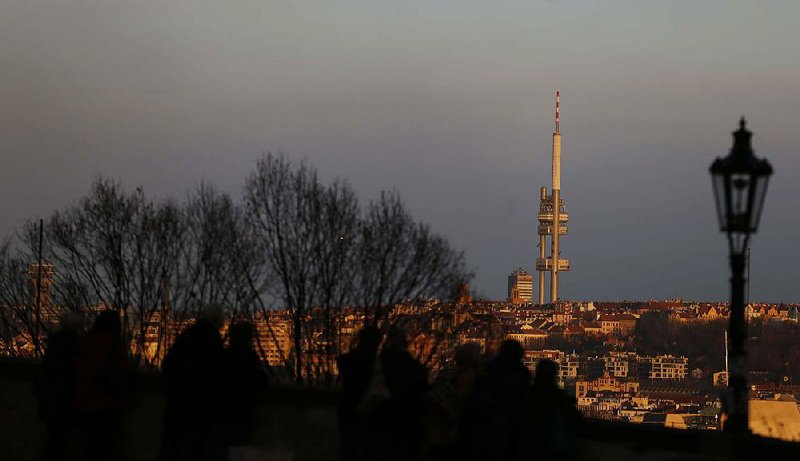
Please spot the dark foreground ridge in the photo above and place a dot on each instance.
(303, 421)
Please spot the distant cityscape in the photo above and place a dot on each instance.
(650, 362)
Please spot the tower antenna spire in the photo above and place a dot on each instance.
(558, 104)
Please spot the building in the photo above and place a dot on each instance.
(41, 275)
(527, 335)
(620, 364)
(41, 279)
(779, 419)
(710, 313)
(617, 324)
(562, 314)
(520, 287)
(668, 367)
(605, 396)
(568, 364)
(532, 357)
(592, 328)
(568, 367)
(274, 338)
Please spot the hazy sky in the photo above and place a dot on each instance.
(449, 102)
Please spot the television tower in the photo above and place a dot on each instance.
(553, 219)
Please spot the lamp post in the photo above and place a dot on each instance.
(740, 185)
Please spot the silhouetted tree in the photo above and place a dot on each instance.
(17, 316)
(326, 254)
(401, 259)
(113, 250)
(217, 259)
(334, 250)
(774, 348)
(283, 203)
(293, 241)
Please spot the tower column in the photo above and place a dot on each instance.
(542, 250)
(554, 246)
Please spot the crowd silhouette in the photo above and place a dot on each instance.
(56, 387)
(82, 388)
(477, 411)
(388, 410)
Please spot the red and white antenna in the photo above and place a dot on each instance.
(558, 104)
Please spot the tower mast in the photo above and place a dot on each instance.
(552, 221)
(556, 205)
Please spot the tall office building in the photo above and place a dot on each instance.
(40, 278)
(520, 287)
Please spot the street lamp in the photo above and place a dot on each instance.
(740, 185)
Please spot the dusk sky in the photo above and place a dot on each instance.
(448, 102)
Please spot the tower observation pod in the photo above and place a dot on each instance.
(553, 219)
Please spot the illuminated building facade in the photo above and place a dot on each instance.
(520, 287)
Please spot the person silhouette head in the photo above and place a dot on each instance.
(214, 315)
(396, 339)
(108, 322)
(71, 322)
(241, 335)
(368, 339)
(468, 356)
(511, 350)
(546, 373)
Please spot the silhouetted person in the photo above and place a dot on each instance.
(726, 399)
(55, 389)
(101, 368)
(552, 418)
(447, 401)
(493, 419)
(244, 379)
(469, 366)
(355, 371)
(395, 429)
(193, 377)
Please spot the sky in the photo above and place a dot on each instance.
(448, 102)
